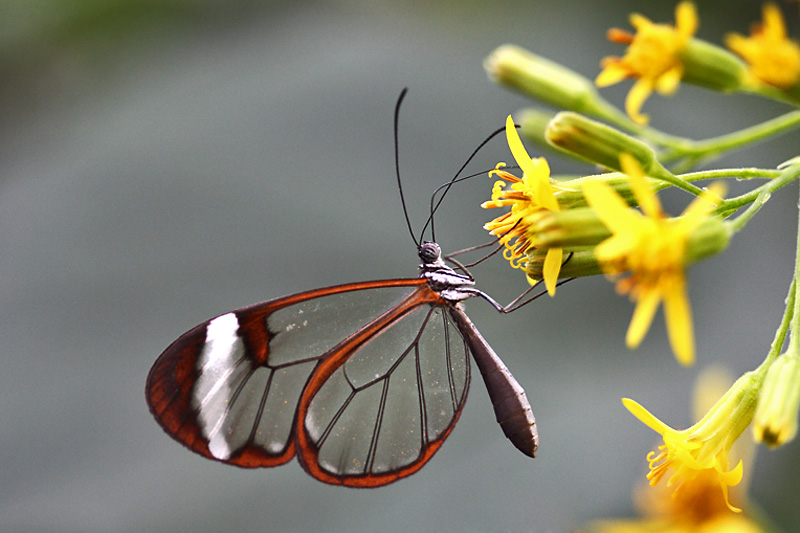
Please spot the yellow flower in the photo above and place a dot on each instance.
(526, 196)
(698, 456)
(653, 248)
(652, 57)
(698, 505)
(773, 57)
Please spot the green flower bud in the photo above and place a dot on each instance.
(532, 125)
(576, 263)
(566, 228)
(539, 78)
(709, 238)
(549, 82)
(775, 421)
(713, 67)
(570, 194)
(598, 143)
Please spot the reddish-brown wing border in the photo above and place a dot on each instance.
(170, 381)
(308, 453)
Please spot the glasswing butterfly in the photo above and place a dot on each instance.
(361, 382)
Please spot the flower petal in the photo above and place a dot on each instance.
(636, 98)
(613, 72)
(518, 150)
(678, 314)
(609, 207)
(639, 21)
(551, 268)
(774, 27)
(645, 417)
(706, 202)
(647, 199)
(646, 305)
(686, 20)
(544, 191)
(614, 249)
(668, 82)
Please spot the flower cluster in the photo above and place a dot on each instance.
(611, 222)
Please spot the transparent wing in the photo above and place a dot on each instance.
(377, 410)
(229, 389)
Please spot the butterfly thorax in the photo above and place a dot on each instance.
(448, 283)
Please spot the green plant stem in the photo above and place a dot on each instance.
(665, 175)
(722, 173)
(681, 148)
(790, 320)
(736, 173)
(794, 340)
(792, 303)
(728, 207)
(771, 93)
(742, 220)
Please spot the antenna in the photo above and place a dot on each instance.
(446, 187)
(397, 164)
(447, 184)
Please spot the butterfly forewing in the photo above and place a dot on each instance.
(229, 389)
(396, 395)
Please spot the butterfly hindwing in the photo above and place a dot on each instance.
(380, 410)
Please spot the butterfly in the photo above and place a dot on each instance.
(362, 382)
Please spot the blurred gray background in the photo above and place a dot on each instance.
(163, 161)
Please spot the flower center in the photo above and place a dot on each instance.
(654, 50)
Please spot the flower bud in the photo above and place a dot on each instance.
(775, 421)
(597, 143)
(548, 82)
(539, 78)
(570, 195)
(567, 228)
(713, 67)
(532, 125)
(576, 263)
(709, 238)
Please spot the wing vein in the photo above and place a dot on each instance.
(335, 419)
(423, 412)
(368, 464)
(229, 406)
(261, 406)
(451, 380)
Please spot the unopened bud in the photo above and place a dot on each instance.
(597, 142)
(775, 421)
(713, 67)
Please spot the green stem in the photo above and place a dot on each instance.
(771, 93)
(722, 173)
(716, 145)
(736, 173)
(794, 340)
(754, 208)
(792, 302)
(728, 207)
(790, 320)
(662, 173)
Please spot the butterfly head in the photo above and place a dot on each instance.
(430, 253)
